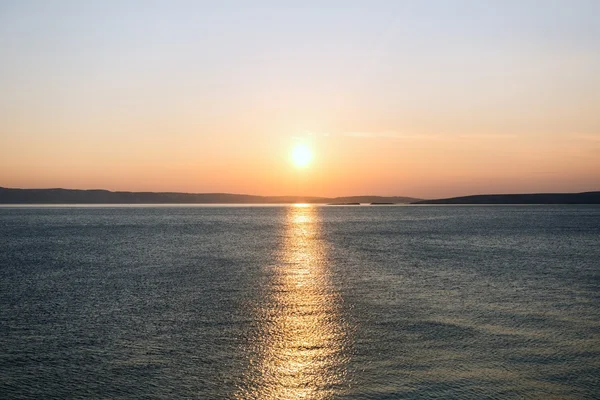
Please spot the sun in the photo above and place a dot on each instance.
(301, 155)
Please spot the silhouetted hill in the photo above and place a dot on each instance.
(535, 198)
(73, 196)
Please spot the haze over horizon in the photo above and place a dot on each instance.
(425, 99)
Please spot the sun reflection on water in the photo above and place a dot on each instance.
(300, 353)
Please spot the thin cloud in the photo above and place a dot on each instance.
(488, 136)
(395, 135)
(390, 135)
(589, 138)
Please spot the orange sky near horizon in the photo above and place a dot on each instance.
(392, 98)
(430, 166)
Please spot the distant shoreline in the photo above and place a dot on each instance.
(515, 199)
(79, 196)
(105, 197)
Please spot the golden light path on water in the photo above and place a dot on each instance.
(300, 353)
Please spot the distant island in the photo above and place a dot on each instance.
(76, 196)
(535, 198)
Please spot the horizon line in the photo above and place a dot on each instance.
(301, 196)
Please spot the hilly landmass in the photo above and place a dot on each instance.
(76, 196)
(99, 196)
(534, 198)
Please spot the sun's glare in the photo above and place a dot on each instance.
(301, 155)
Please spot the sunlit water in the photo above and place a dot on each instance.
(300, 302)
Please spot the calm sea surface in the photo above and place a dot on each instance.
(288, 302)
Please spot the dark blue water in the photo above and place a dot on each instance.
(300, 302)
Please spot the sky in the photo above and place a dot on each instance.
(411, 98)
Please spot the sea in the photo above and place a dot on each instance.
(300, 302)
